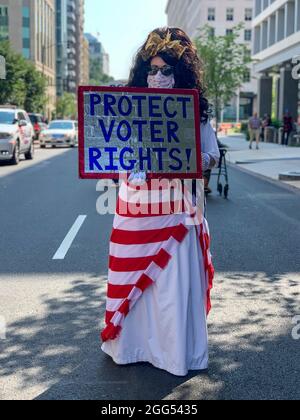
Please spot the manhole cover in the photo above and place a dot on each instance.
(290, 176)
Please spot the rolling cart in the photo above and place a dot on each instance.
(221, 172)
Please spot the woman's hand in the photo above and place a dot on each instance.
(137, 178)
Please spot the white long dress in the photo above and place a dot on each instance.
(167, 327)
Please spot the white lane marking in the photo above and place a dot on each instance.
(67, 242)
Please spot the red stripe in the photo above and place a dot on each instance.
(108, 316)
(119, 291)
(126, 265)
(180, 233)
(124, 308)
(144, 282)
(209, 268)
(125, 237)
(162, 259)
(110, 332)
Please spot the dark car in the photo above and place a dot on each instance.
(39, 124)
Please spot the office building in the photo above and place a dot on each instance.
(276, 50)
(221, 16)
(29, 25)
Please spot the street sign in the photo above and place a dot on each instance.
(124, 130)
(2, 67)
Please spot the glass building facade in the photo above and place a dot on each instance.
(4, 23)
(61, 47)
(26, 32)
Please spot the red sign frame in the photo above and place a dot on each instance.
(116, 176)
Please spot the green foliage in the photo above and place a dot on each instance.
(66, 106)
(97, 77)
(245, 130)
(24, 85)
(225, 63)
(277, 123)
(35, 99)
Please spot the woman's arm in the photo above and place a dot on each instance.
(210, 148)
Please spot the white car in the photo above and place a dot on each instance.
(60, 133)
(16, 135)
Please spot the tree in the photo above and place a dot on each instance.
(66, 106)
(13, 88)
(97, 77)
(35, 99)
(24, 86)
(225, 64)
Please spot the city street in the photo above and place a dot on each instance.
(54, 308)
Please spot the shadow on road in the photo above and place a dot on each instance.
(61, 351)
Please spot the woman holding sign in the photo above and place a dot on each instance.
(161, 272)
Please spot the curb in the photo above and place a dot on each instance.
(275, 182)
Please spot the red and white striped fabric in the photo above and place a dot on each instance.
(141, 246)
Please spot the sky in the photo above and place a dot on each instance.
(123, 26)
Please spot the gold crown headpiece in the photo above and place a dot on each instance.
(156, 45)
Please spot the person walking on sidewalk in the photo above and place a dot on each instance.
(288, 126)
(254, 130)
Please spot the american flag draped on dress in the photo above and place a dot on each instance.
(148, 227)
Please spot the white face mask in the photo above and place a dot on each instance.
(159, 81)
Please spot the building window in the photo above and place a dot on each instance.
(248, 35)
(230, 14)
(211, 14)
(247, 76)
(3, 22)
(229, 31)
(248, 53)
(212, 32)
(26, 32)
(248, 14)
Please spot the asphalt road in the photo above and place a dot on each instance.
(53, 308)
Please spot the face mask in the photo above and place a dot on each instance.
(159, 81)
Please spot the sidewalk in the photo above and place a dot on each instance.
(270, 161)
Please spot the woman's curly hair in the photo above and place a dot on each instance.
(188, 69)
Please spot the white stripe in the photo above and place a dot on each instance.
(67, 242)
(149, 196)
(171, 246)
(117, 319)
(135, 294)
(112, 305)
(153, 271)
(148, 223)
(134, 251)
(125, 278)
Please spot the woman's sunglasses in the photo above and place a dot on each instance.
(165, 70)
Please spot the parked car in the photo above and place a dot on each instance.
(39, 124)
(60, 133)
(16, 135)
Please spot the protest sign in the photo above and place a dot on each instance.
(124, 130)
